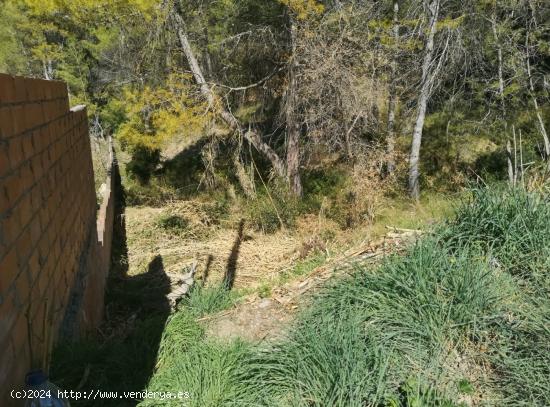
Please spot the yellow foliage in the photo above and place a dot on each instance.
(80, 10)
(304, 8)
(451, 23)
(158, 115)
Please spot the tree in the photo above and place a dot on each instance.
(392, 98)
(429, 71)
(251, 135)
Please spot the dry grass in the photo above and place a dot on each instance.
(260, 256)
(184, 232)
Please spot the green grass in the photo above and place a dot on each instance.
(406, 213)
(209, 300)
(302, 267)
(465, 312)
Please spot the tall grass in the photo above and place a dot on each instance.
(462, 316)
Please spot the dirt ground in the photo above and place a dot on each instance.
(258, 256)
(254, 321)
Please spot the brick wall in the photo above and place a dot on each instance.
(53, 267)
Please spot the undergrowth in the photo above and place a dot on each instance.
(461, 318)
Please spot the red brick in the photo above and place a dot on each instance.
(44, 248)
(10, 226)
(4, 161)
(35, 89)
(24, 207)
(26, 177)
(7, 89)
(46, 162)
(36, 167)
(38, 139)
(48, 90)
(28, 148)
(34, 265)
(36, 201)
(23, 287)
(19, 122)
(12, 188)
(34, 114)
(15, 151)
(20, 89)
(38, 327)
(8, 270)
(6, 122)
(44, 218)
(8, 313)
(19, 333)
(23, 246)
(43, 280)
(7, 363)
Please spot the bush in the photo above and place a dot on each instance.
(512, 226)
(144, 161)
(273, 209)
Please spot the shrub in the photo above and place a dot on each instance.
(273, 209)
(173, 223)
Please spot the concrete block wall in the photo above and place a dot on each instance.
(52, 266)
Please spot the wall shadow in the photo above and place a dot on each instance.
(231, 269)
(206, 273)
(121, 357)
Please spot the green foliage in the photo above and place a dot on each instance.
(322, 183)
(161, 114)
(12, 59)
(173, 223)
(303, 267)
(465, 387)
(517, 234)
(304, 8)
(395, 335)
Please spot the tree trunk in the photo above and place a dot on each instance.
(542, 127)
(414, 173)
(392, 102)
(206, 54)
(510, 161)
(500, 73)
(292, 125)
(245, 179)
(251, 135)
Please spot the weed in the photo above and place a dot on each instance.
(264, 290)
(273, 209)
(173, 223)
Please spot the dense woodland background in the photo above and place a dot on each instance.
(269, 143)
(392, 96)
